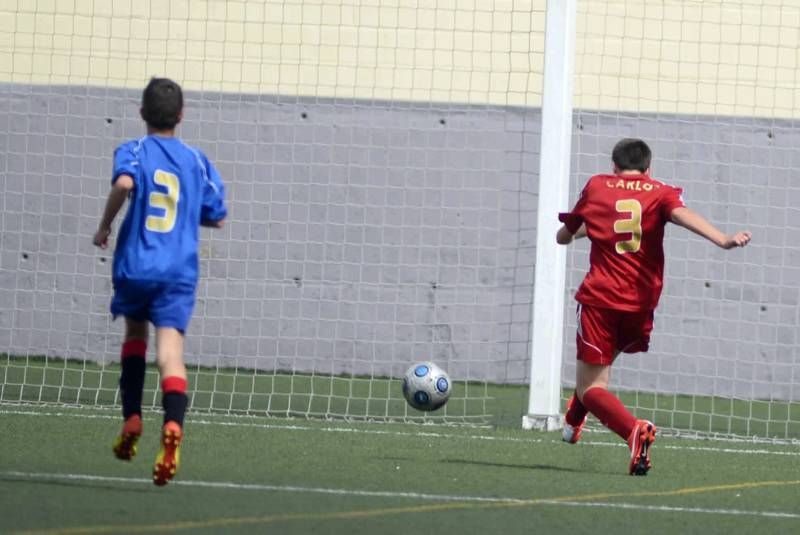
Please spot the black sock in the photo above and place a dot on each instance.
(131, 380)
(175, 404)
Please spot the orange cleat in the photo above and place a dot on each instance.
(640, 442)
(571, 433)
(125, 445)
(169, 457)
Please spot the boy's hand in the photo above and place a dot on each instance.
(116, 198)
(740, 239)
(101, 237)
(213, 224)
(689, 219)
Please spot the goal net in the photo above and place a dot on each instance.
(380, 160)
(712, 87)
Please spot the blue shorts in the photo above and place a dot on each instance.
(163, 304)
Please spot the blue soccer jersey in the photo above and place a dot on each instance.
(176, 189)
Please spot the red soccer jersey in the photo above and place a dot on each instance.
(625, 217)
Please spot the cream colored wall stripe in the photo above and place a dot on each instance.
(481, 52)
(726, 57)
(733, 57)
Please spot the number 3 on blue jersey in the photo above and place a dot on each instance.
(168, 202)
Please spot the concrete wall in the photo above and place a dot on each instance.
(364, 236)
(728, 321)
(382, 162)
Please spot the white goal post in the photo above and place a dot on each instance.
(547, 332)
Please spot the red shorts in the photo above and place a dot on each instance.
(603, 332)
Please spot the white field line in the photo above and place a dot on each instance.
(669, 509)
(425, 434)
(40, 476)
(37, 476)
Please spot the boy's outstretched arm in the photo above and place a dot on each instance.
(116, 198)
(693, 221)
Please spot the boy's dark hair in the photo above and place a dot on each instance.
(630, 154)
(162, 103)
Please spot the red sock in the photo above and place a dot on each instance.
(175, 384)
(576, 412)
(610, 411)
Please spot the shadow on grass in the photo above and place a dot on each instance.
(487, 463)
(99, 485)
(513, 465)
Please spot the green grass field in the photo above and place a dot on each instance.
(246, 471)
(252, 474)
(245, 474)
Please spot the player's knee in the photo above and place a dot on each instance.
(171, 364)
(135, 330)
(587, 381)
(582, 391)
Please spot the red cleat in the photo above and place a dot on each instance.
(169, 457)
(125, 445)
(571, 433)
(640, 441)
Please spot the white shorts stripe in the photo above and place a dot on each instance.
(580, 331)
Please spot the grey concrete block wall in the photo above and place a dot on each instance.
(363, 236)
(367, 235)
(728, 321)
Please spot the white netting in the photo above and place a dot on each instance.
(711, 86)
(378, 158)
(382, 163)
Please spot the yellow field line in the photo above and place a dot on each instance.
(247, 520)
(678, 492)
(368, 513)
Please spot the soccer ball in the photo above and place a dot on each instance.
(426, 386)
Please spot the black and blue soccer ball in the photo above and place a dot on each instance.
(426, 386)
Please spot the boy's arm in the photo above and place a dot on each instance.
(693, 221)
(565, 237)
(573, 227)
(213, 211)
(116, 198)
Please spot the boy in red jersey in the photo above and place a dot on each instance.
(624, 216)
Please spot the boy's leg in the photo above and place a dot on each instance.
(173, 374)
(574, 419)
(592, 381)
(169, 341)
(131, 381)
(131, 384)
(592, 389)
(171, 310)
(634, 337)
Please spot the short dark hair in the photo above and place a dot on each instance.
(162, 103)
(630, 154)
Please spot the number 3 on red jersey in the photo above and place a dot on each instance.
(629, 225)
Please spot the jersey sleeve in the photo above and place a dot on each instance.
(126, 161)
(672, 199)
(213, 208)
(574, 219)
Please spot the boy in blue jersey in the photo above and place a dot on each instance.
(173, 189)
